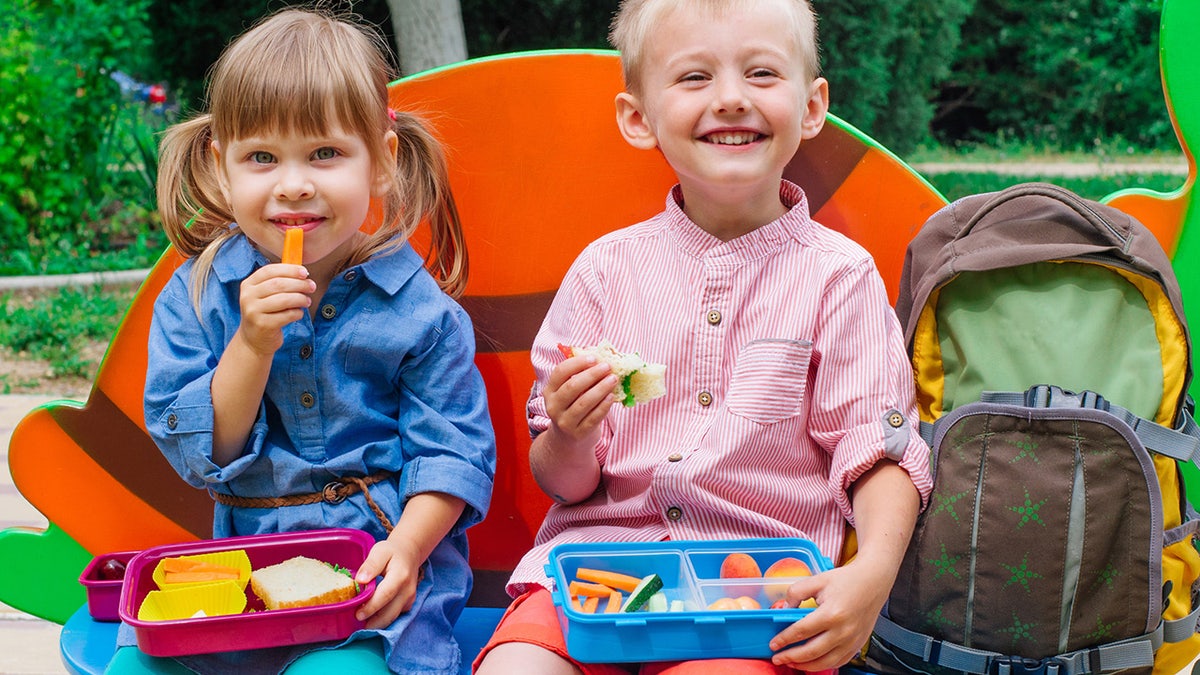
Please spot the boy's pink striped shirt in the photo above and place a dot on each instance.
(784, 360)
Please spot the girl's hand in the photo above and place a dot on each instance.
(400, 566)
(849, 599)
(274, 296)
(578, 397)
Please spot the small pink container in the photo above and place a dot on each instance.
(104, 595)
(257, 627)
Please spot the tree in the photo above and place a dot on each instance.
(885, 61)
(429, 33)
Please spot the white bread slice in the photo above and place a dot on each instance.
(637, 380)
(300, 582)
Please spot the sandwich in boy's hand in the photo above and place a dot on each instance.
(637, 381)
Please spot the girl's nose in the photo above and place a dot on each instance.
(293, 185)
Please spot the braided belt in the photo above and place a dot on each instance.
(334, 492)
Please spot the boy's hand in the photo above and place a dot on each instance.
(849, 599)
(578, 397)
(400, 567)
(274, 296)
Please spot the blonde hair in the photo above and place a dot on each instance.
(635, 21)
(302, 71)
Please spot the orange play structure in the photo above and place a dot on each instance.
(539, 170)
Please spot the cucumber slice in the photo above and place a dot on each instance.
(647, 587)
(657, 602)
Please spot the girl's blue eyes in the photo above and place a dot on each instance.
(264, 157)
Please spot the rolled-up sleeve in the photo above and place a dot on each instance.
(178, 394)
(448, 441)
(864, 407)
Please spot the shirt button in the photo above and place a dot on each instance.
(328, 311)
(307, 400)
(172, 421)
(705, 398)
(714, 317)
(306, 351)
(674, 457)
(674, 513)
(351, 275)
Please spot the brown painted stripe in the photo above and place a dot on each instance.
(122, 449)
(506, 323)
(488, 590)
(823, 163)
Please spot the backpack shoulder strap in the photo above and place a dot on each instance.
(1181, 443)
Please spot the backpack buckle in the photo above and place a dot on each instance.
(1020, 665)
(1051, 396)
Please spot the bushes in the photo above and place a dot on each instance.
(1061, 73)
(72, 175)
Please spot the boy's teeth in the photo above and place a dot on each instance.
(733, 139)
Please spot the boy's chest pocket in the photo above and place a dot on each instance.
(769, 379)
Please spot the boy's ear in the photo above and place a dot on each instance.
(383, 182)
(815, 109)
(631, 120)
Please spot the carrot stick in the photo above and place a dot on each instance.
(591, 604)
(622, 582)
(293, 246)
(615, 599)
(575, 603)
(179, 564)
(588, 590)
(193, 577)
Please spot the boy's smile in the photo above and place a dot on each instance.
(727, 98)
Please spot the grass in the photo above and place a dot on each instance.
(58, 326)
(954, 185)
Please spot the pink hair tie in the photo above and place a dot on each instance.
(392, 114)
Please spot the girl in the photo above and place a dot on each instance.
(341, 391)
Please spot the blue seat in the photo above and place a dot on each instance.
(88, 646)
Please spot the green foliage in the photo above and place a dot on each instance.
(65, 183)
(500, 26)
(1067, 73)
(885, 61)
(54, 328)
(189, 35)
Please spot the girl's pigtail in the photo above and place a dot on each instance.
(189, 196)
(190, 202)
(425, 184)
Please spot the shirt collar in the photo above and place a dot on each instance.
(756, 243)
(238, 259)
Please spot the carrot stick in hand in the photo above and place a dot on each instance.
(293, 246)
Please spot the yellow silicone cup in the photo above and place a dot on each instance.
(236, 559)
(215, 598)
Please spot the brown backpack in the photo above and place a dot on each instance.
(1052, 359)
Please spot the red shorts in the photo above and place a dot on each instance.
(531, 618)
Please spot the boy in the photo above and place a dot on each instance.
(789, 391)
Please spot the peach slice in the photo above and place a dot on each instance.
(785, 567)
(747, 602)
(724, 604)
